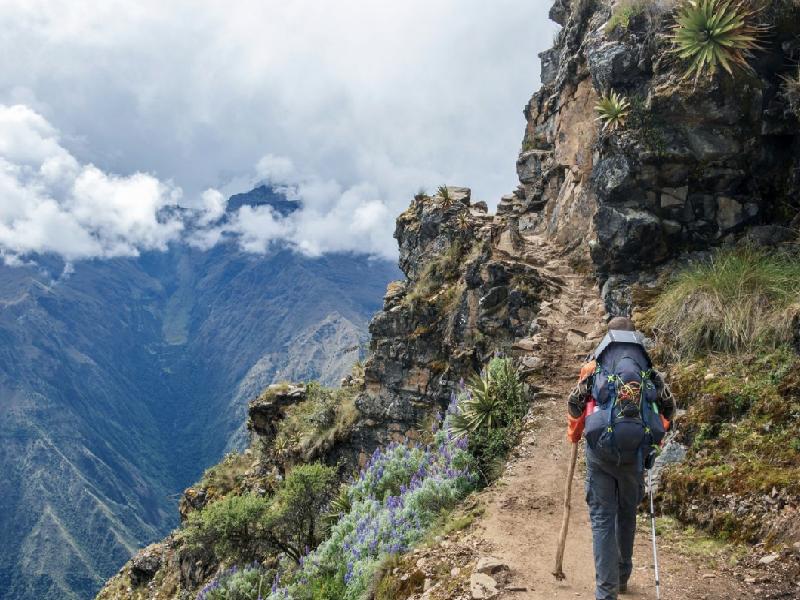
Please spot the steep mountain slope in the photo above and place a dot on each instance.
(121, 381)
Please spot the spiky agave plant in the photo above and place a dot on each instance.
(714, 33)
(444, 193)
(340, 505)
(612, 110)
(481, 409)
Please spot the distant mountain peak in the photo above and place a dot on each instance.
(263, 195)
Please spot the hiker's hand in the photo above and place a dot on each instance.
(576, 403)
(666, 400)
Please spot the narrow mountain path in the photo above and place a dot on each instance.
(524, 508)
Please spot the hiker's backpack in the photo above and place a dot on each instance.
(625, 428)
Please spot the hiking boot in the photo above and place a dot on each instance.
(623, 588)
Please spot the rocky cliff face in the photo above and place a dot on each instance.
(466, 296)
(695, 165)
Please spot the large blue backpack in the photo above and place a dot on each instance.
(626, 428)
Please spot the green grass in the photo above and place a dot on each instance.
(226, 477)
(438, 277)
(742, 428)
(314, 424)
(739, 301)
(624, 11)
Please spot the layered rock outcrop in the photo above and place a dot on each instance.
(464, 298)
(696, 163)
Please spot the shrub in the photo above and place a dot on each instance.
(242, 529)
(294, 522)
(249, 583)
(231, 527)
(612, 110)
(393, 502)
(491, 408)
(714, 33)
(739, 300)
(495, 399)
(309, 425)
(444, 194)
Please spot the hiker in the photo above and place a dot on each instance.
(623, 408)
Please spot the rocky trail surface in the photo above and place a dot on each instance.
(509, 550)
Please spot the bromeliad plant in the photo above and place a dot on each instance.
(444, 193)
(612, 111)
(493, 399)
(716, 33)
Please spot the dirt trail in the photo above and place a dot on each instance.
(523, 512)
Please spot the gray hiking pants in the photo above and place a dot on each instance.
(613, 494)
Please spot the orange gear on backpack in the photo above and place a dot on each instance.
(575, 424)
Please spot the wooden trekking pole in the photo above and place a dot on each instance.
(558, 573)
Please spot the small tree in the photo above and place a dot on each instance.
(230, 527)
(295, 521)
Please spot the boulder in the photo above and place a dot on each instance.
(459, 194)
(611, 63)
(549, 62)
(628, 238)
(770, 235)
(559, 12)
(489, 565)
(612, 177)
(482, 586)
(146, 563)
(731, 213)
(529, 165)
(674, 196)
(270, 407)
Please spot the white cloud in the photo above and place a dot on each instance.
(275, 169)
(212, 207)
(51, 203)
(354, 104)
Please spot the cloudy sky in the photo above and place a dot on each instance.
(111, 111)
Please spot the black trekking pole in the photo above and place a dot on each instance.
(653, 531)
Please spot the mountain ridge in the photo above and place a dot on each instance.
(101, 364)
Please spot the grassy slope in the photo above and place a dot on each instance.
(743, 430)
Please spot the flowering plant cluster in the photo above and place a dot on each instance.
(249, 583)
(394, 501)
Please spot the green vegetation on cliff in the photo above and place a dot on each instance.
(729, 323)
(740, 300)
